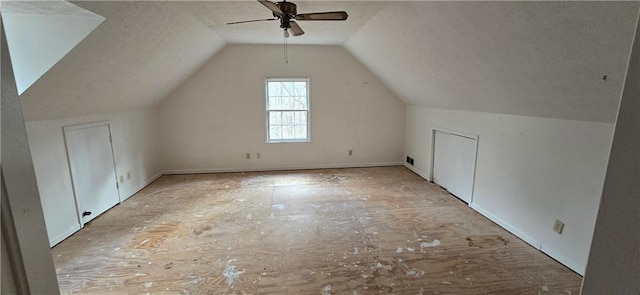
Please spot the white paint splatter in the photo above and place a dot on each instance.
(240, 200)
(399, 250)
(278, 206)
(430, 244)
(326, 290)
(414, 272)
(116, 249)
(144, 242)
(411, 249)
(355, 251)
(230, 274)
(148, 284)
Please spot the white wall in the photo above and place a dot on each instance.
(218, 115)
(24, 238)
(614, 259)
(529, 172)
(135, 138)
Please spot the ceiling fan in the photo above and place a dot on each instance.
(288, 15)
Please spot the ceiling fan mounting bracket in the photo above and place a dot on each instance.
(289, 9)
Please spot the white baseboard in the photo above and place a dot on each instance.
(528, 239)
(416, 171)
(573, 265)
(280, 168)
(67, 233)
(140, 187)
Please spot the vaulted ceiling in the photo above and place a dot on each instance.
(544, 59)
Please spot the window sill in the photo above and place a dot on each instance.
(289, 141)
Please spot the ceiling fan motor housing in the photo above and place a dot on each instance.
(289, 11)
(288, 8)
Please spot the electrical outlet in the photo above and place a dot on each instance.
(248, 155)
(350, 152)
(128, 175)
(257, 155)
(558, 226)
(121, 179)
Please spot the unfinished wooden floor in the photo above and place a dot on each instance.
(332, 231)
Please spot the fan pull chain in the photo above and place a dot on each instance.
(286, 54)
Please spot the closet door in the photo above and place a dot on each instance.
(454, 158)
(92, 169)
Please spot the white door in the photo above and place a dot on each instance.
(92, 169)
(454, 158)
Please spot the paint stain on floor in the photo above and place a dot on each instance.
(486, 241)
(330, 231)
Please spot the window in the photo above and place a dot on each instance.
(288, 110)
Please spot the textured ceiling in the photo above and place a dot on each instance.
(145, 49)
(215, 15)
(133, 60)
(544, 59)
(49, 7)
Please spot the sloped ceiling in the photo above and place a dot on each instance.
(216, 14)
(544, 59)
(38, 36)
(133, 60)
(145, 49)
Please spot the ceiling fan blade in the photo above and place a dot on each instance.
(272, 6)
(250, 21)
(331, 15)
(295, 29)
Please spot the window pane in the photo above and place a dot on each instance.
(275, 118)
(301, 132)
(287, 103)
(300, 118)
(287, 118)
(300, 88)
(275, 132)
(299, 103)
(287, 88)
(287, 132)
(273, 88)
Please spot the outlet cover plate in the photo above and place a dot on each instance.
(558, 226)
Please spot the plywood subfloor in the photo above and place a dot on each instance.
(332, 231)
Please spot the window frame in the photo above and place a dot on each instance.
(307, 80)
